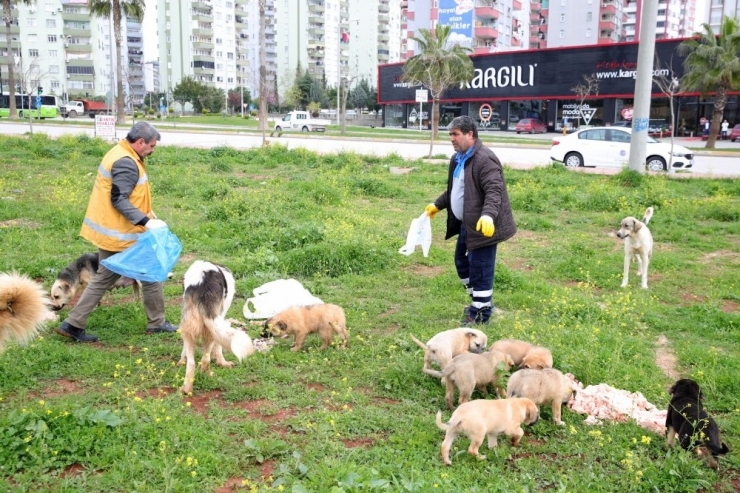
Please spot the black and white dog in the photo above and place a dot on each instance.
(687, 418)
(209, 291)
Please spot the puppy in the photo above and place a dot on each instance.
(548, 386)
(695, 428)
(209, 290)
(469, 371)
(524, 354)
(444, 346)
(23, 308)
(73, 279)
(300, 321)
(638, 243)
(480, 418)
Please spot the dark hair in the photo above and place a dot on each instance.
(465, 124)
(142, 130)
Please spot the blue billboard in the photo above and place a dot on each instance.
(458, 14)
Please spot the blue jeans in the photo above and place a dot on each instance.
(476, 269)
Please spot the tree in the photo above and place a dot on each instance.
(589, 86)
(712, 65)
(358, 97)
(188, 90)
(235, 99)
(437, 67)
(133, 9)
(263, 71)
(212, 99)
(671, 87)
(8, 18)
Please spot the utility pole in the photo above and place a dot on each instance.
(643, 85)
(339, 63)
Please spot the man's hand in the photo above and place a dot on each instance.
(485, 226)
(155, 224)
(431, 211)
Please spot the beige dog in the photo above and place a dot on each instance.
(444, 346)
(324, 319)
(469, 371)
(524, 354)
(638, 243)
(23, 308)
(548, 386)
(480, 418)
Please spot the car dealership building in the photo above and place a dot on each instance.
(507, 87)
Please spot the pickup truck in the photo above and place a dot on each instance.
(300, 121)
(80, 107)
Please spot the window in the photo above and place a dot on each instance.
(589, 15)
(54, 84)
(661, 23)
(31, 22)
(33, 53)
(32, 38)
(588, 32)
(562, 17)
(49, 7)
(53, 69)
(53, 54)
(219, 54)
(51, 23)
(219, 41)
(562, 33)
(51, 38)
(230, 56)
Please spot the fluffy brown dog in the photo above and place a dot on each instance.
(524, 354)
(23, 308)
(444, 346)
(209, 290)
(324, 319)
(548, 386)
(480, 418)
(469, 371)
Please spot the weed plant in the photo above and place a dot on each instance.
(108, 416)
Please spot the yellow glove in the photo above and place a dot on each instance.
(431, 211)
(485, 226)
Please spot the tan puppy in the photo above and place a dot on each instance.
(548, 386)
(638, 243)
(524, 354)
(324, 319)
(444, 346)
(23, 308)
(480, 418)
(469, 371)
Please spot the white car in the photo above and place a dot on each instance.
(610, 147)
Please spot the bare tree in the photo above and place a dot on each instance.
(31, 78)
(344, 89)
(671, 87)
(263, 72)
(585, 89)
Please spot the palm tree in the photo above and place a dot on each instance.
(712, 65)
(8, 18)
(131, 9)
(437, 67)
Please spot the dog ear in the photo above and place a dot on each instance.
(282, 326)
(636, 225)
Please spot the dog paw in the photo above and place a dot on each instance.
(226, 364)
(187, 390)
(480, 457)
(560, 423)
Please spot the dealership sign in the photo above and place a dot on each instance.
(541, 74)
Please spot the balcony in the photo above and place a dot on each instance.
(383, 37)
(203, 58)
(486, 13)
(316, 31)
(383, 57)
(203, 31)
(485, 32)
(316, 19)
(75, 32)
(316, 8)
(203, 71)
(608, 23)
(608, 9)
(543, 28)
(384, 18)
(202, 16)
(516, 5)
(75, 17)
(384, 7)
(483, 49)
(515, 41)
(79, 48)
(535, 6)
(534, 17)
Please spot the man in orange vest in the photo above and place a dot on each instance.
(120, 209)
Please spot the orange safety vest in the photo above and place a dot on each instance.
(104, 226)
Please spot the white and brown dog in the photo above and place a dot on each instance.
(638, 242)
(209, 291)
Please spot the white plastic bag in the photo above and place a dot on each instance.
(420, 233)
(275, 296)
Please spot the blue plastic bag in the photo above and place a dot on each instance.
(150, 259)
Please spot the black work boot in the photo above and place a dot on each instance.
(166, 327)
(75, 333)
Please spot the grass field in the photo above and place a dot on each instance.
(108, 416)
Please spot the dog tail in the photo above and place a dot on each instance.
(648, 215)
(419, 343)
(23, 308)
(236, 340)
(442, 426)
(434, 373)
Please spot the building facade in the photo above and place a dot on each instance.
(718, 9)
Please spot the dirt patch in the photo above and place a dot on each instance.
(201, 402)
(693, 298)
(231, 484)
(267, 468)
(729, 306)
(19, 223)
(665, 359)
(316, 387)
(72, 471)
(261, 409)
(390, 311)
(58, 388)
(517, 264)
(426, 270)
(712, 257)
(359, 443)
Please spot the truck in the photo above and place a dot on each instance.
(300, 121)
(79, 107)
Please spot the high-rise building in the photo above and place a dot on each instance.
(676, 19)
(718, 9)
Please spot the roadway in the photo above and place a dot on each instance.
(712, 163)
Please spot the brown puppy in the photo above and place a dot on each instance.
(524, 354)
(23, 308)
(324, 319)
(480, 418)
(548, 386)
(469, 371)
(444, 346)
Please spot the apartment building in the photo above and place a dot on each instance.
(676, 19)
(57, 45)
(563, 23)
(717, 10)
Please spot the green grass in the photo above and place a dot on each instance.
(108, 417)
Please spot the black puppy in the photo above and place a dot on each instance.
(687, 418)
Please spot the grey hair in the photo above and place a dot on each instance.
(465, 124)
(143, 130)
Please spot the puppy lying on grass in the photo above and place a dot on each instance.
(482, 417)
(469, 371)
(524, 354)
(300, 321)
(548, 386)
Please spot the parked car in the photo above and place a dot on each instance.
(735, 133)
(531, 126)
(610, 147)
